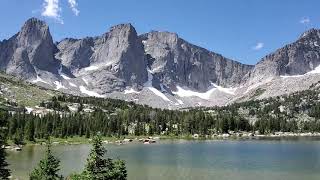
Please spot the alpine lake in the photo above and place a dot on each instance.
(276, 159)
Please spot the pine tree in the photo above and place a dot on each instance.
(120, 171)
(99, 168)
(29, 130)
(47, 168)
(4, 172)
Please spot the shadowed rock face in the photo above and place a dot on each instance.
(296, 58)
(127, 49)
(175, 61)
(119, 51)
(29, 50)
(75, 54)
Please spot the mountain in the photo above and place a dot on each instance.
(296, 58)
(177, 62)
(116, 53)
(157, 68)
(29, 51)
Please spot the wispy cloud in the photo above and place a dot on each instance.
(258, 46)
(52, 9)
(74, 7)
(305, 20)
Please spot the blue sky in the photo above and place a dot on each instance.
(245, 30)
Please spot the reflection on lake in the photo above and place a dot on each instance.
(186, 160)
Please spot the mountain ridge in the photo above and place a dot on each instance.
(156, 68)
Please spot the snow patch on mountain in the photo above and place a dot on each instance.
(39, 80)
(59, 85)
(315, 71)
(225, 90)
(189, 93)
(64, 77)
(149, 86)
(98, 66)
(72, 84)
(158, 93)
(180, 102)
(85, 81)
(293, 76)
(156, 69)
(91, 68)
(90, 93)
(131, 91)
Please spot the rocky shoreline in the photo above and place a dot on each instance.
(157, 139)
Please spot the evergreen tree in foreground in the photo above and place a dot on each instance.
(47, 168)
(98, 168)
(4, 172)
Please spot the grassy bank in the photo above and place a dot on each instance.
(115, 139)
(84, 140)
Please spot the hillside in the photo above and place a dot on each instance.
(64, 115)
(16, 92)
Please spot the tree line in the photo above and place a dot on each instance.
(119, 118)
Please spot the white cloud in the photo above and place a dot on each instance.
(305, 20)
(52, 9)
(74, 7)
(258, 46)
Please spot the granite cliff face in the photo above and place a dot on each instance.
(28, 51)
(75, 54)
(296, 58)
(174, 61)
(117, 53)
(157, 68)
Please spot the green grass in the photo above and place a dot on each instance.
(84, 140)
(24, 93)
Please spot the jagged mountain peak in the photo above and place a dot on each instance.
(124, 32)
(177, 62)
(30, 50)
(122, 26)
(311, 33)
(151, 67)
(34, 30)
(116, 56)
(35, 22)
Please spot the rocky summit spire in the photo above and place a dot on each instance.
(119, 52)
(36, 38)
(34, 30)
(31, 49)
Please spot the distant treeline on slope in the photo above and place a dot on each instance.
(298, 112)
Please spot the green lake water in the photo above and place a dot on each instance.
(196, 160)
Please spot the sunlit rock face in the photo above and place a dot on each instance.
(174, 61)
(157, 68)
(296, 58)
(28, 51)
